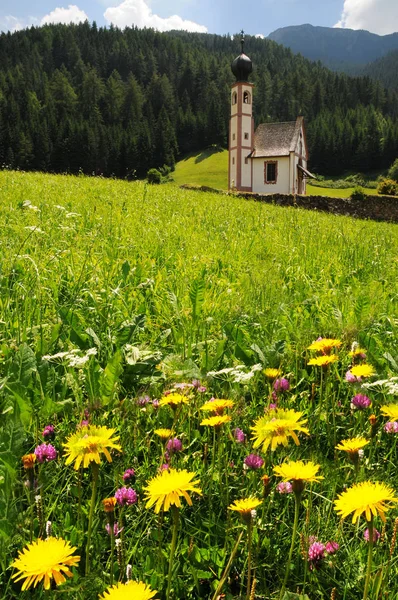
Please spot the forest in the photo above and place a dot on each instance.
(79, 98)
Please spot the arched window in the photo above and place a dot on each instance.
(246, 98)
(234, 98)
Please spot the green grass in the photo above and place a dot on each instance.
(113, 291)
(209, 167)
(313, 190)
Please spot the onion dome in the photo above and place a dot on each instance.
(242, 66)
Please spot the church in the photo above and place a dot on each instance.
(273, 158)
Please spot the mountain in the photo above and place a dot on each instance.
(78, 98)
(384, 69)
(338, 49)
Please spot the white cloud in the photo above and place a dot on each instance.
(72, 14)
(11, 23)
(259, 35)
(378, 16)
(138, 13)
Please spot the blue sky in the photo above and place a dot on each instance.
(256, 17)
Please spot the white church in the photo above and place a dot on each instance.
(272, 159)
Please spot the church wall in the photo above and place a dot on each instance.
(282, 183)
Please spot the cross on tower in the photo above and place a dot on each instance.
(242, 41)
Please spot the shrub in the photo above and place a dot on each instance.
(393, 170)
(387, 187)
(154, 176)
(358, 194)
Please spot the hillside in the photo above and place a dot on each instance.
(385, 70)
(81, 99)
(339, 49)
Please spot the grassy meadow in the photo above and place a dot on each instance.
(124, 309)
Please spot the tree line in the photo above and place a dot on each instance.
(78, 98)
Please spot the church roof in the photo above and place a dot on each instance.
(276, 139)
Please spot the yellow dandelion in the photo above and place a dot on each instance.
(276, 427)
(324, 360)
(352, 445)
(358, 351)
(166, 489)
(325, 345)
(245, 506)
(216, 421)
(109, 504)
(165, 434)
(126, 591)
(87, 444)
(173, 400)
(390, 410)
(364, 370)
(29, 460)
(217, 406)
(367, 498)
(272, 373)
(298, 471)
(45, 559)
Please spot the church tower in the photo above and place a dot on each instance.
(241, 127)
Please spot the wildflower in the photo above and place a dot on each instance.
(164, 434)
(88, 444)
(45, 559)
(284, 487)
(281, 385)
(196, 383)
(276, 427)
(164, 467)
(143, 401)
(49, 432)
(183, 386)
(125, 591)
(364, 370)
(155, 403)
(357, 351)
(366, 498)
(202, 389)
(352, 446)
(109, 504)
(239, 436)
(299, 472)
(217, 406)
(391, 427)
(165, 489)
(245, 506)
(316, 552)
(324, 345)
(376, 535)
(254, 462)
(390, 410)
(216, 421)
(173, 400)
(126, 496)
(116, 529)
(174, 445)
(331, 547)
(272, 406)
(45, 453)
(323, 361)
(29, 460)
(272, 373)
(83, 423)
(129, 476)
(350, 378)
(360, 402)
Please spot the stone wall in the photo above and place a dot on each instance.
(376, 208)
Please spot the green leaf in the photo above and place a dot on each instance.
(197, 296)
(110, 377)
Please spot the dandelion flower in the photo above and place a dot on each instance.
(325, 345)
(390, 410)
(217, 406)
(166, 489)
(45, 559)
(245, 506)
(173, 400)
(29, 460)
(216, 421)
(352, 445)
(164, 434)
(368, 498)
(109, 504)
(276, 427)
(126, 591)
(358, 352)
(364, 370)
(298, 471)
(86, 445)
(272, 373)
(323, 361)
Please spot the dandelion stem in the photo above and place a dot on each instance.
(176, 519)
(95, 470)
(249, 557)
(297, 499)
(370, 555)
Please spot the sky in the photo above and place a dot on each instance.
(255, 17)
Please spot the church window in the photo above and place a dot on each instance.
(270, 171)
(234, 98)
(233, 136)
(246, 98)
(233, 160)
(246, 136)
